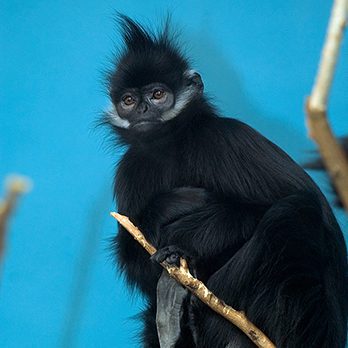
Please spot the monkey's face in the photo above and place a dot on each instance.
(140, 109)
(143, 107)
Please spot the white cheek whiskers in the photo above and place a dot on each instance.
(115, 119)
(180, 103)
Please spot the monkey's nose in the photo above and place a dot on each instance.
(142, 108)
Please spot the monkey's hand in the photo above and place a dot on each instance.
(171, 255)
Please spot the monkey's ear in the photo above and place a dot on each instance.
(193, 78)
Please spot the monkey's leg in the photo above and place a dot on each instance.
(284, 279)
(170, 303)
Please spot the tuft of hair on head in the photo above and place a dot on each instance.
(137, 38)
(147, 56)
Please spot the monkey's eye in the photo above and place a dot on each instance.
(128, 100)
(158, 94)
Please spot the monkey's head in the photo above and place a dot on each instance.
(152, 82)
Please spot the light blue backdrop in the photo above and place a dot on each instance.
(258, 59)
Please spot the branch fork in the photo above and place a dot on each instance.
(319, 130)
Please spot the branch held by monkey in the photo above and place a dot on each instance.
(184, 277)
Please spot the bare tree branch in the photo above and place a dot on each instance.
(329, 55)
(319, 129)
(16, 186)
(183, 276)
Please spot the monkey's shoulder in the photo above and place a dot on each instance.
(236, 151)
(233, 135)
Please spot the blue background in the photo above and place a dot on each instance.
(258, 59)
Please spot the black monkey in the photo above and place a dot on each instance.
(253, 225)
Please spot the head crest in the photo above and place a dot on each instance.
(147, 57)
(134, 34)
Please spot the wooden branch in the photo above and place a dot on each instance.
(183, 276)
(319, 130)
(16, 186)
(338, 21)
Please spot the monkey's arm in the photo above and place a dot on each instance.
(196, 221)
(162, 209)
(221, 225)
(202, 226)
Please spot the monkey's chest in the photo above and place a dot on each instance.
(146, 176)
(141, 178)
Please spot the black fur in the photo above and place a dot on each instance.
(262, 235)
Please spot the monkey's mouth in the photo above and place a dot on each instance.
(144, 125)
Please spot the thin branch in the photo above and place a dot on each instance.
(183, 276)
(328, 60)
(319, 129)
(16, 186)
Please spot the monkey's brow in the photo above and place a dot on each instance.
(125, 91)
(153, 85)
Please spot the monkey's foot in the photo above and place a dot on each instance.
(171, 255)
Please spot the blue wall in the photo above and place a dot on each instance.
(258, 60)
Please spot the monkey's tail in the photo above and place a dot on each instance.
(317, 164)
